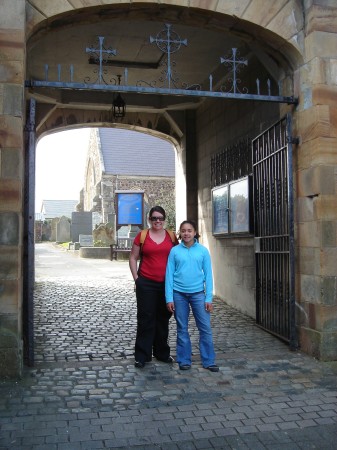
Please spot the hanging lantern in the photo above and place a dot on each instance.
(118, 104)
(118, 107)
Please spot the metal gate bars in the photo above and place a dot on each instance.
(274, 231)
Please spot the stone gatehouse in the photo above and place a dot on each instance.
(288, 45)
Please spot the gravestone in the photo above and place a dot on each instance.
(81, 223)
(53, 226)
(63, 230)
(134, 231)
(104, 234)
(86, 240)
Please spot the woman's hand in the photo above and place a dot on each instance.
(170, 307)
(133, 258)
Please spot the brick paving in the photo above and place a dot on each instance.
(85, 393)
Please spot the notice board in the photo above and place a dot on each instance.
(129, 208)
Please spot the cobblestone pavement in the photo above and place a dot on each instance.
(85, 393)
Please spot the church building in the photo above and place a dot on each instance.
(126, 160)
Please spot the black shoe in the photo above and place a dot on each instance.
(168, 360)
(213, 368)
(139, 364)
(184, 367)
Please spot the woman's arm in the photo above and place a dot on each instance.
(134, 256)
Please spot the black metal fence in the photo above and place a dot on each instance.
(232, 163)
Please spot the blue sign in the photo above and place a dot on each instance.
(129, 209)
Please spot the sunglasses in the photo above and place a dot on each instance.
(155, 219)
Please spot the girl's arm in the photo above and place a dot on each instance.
(169, 278)
(208, 277)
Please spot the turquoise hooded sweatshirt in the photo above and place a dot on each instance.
(189, 270)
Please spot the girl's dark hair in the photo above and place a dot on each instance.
(157, 209)
(194, 225)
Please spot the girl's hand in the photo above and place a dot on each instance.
(209, 306)
(170, 307)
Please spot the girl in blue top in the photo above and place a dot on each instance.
(189, 284)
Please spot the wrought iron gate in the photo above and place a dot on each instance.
(274, 230)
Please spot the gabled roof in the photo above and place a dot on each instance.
(127, 152)
(58, 208)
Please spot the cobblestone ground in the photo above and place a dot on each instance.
(84, 392)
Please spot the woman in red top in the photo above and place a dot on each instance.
(152, 315)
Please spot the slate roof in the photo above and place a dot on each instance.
(128, 152)
(58, 208)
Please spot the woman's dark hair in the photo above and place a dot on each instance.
(157, 209)
(194, 225)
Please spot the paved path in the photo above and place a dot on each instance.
(85, 393)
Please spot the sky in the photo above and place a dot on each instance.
(60, 163)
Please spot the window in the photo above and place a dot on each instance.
(231, 204)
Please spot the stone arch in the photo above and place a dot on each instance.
(156, 124)
(283, 19)
(269, 49)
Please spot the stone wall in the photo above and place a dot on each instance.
(316, 174)
(12, 73)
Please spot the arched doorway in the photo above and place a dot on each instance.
(197, 122)
(113, 159)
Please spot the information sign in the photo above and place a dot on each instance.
(129, 208)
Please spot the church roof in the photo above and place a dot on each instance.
(127, 152)
(58, 208)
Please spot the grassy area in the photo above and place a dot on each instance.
(63, 245)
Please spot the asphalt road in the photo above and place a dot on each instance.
(53, 261)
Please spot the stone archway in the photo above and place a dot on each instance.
(299, 38)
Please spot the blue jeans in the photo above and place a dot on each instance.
(182, 304)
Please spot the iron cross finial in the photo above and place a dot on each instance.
(168, 42)
(234, 62)
(101, 51)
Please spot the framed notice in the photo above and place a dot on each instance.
(231, 208)
(239, 206)
(129, 208)
(220, 209)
